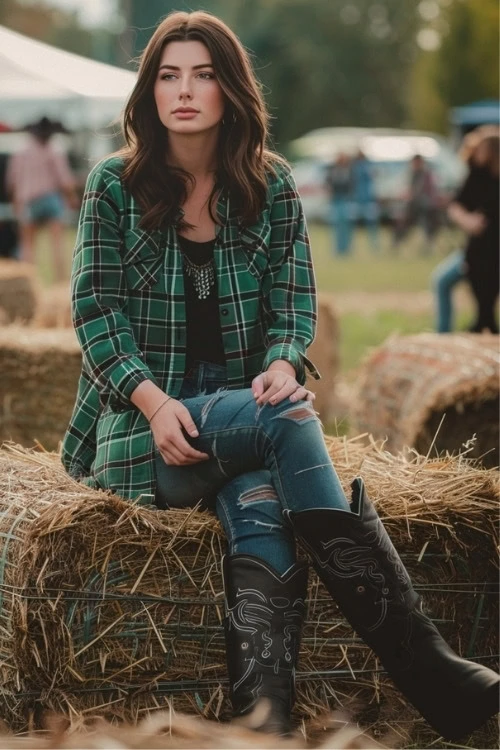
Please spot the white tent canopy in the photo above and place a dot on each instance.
(37, 79)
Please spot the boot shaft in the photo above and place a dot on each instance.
(356, 560)
(263, 625)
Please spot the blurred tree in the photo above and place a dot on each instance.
(58, 27)
(464, 69)
(335, 64)
(141, 19)
(321, 63)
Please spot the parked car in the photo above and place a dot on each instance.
(389, 152)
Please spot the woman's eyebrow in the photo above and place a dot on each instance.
(176, 67)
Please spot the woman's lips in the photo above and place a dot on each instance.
(186, 114)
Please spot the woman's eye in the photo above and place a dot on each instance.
(167, 77)
(207, 76)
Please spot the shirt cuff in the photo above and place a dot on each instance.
(124, 379)
(297, 359)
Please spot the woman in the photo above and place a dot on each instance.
(194, 302)
(452, 270)
(40, 182)
(475, 209)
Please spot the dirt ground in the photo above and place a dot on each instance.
(418, 302)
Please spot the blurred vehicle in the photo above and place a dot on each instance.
(389, 152)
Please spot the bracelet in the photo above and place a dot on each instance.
(158, 409)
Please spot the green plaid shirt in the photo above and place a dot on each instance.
(129, 315)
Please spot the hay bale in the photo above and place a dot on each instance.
(40, 370)
(112, 608)
(169, 730)
(324, 352)
(432, 392)
(54, 307)
(18, 292)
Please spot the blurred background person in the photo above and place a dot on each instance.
(421, 208)
(475, 209)
(453, 270)
(366, 210)
(339, 183)
(39, 181)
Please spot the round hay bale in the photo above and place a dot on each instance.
(432, 392)
(113, 608)
(18, 291)
(54, 307)
(40, 371)
(324, 353)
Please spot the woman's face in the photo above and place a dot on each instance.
(188, 96)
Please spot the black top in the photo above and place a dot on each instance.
(203, 329)
(480, 193)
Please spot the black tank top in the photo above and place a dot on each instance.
(203, 329)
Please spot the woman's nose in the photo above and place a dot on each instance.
(185, 91)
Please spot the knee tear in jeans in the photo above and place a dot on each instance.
(220, 461)
(263, 524)
(219, 393)
(262, 493)
(300, 413)
(311, 468)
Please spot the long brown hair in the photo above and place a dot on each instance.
(475, 138)
(243, 159)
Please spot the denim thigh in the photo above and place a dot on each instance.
(247, 506)
(241, 437)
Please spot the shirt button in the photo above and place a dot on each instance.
(224, 311)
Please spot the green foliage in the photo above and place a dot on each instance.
(321, 62)
(465, 68)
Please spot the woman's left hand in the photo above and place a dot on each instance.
(274, 386)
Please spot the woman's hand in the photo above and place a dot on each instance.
(476, 223)
(168, 425)
(471, 222)
(274, 386)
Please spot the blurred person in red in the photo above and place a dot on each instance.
(39, 181)
(475, 209)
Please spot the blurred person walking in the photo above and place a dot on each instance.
(38, 181)
(445, 278)
(475, 209)
(453, 270)
(365, 201)
(421, 205)
(340, 186)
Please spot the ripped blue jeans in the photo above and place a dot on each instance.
(263, 459)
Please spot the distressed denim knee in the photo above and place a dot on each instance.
(286, 439)
(250, 511)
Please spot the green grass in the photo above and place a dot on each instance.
(407, 271)
(364, 270)
(359, 333)
(367, 270)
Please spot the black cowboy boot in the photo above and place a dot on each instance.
(264, 615)
(359, 566)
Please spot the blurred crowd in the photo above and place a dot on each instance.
(353, 199)
(474, 208)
